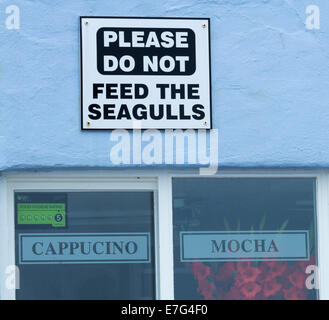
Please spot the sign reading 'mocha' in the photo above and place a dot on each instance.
(244, 245)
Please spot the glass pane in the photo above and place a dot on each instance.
(85, 245)
(244, 238)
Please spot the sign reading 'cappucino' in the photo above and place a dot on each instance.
(243, 245)
(152, 71)
(57, 248)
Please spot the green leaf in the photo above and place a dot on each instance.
(262, 222)
(227, 226)
(238, 226)
(284, 225)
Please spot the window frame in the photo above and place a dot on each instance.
(160, 183)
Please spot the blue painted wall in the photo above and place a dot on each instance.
(270, 81)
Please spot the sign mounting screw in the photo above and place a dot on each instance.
(88, 123)
(86, 23)
(203, 26)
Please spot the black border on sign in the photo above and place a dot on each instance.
(160, 18)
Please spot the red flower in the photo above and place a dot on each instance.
(225, 272)
(271, 287)
(200, 271)
(239, 281)
(297, 279)
(233, 294)
(220, 293)
(206, 288)
(242, 265)
(305, 264)
(286, 284)
(294, 294)
(264, 273)
(275, 268)
(250, 290)
(249, 274)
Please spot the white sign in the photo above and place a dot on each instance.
(148, 73)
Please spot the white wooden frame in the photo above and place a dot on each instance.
(41, 183)
(160, 182)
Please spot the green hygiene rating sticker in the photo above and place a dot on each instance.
(42, 214)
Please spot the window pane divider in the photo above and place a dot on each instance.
(165, 236)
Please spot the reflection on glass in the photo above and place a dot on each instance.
(246, 207)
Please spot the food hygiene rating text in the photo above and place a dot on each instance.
(138, 111)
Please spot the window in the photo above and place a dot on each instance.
(243, 238)
(178, 235)
(85, 245)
